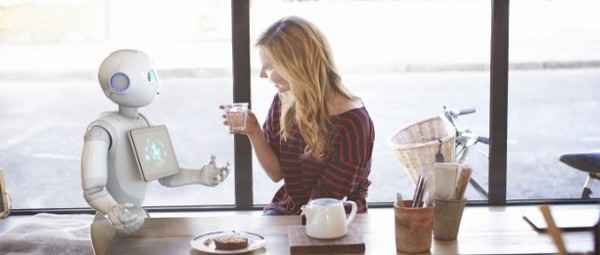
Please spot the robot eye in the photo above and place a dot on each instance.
(152, 76)
(119, 82)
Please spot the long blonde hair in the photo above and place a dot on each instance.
(301, 54)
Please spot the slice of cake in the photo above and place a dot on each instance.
(231, 242)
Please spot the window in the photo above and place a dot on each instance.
(406, 59)
(50, 91)
(553, 107)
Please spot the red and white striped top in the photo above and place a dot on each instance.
(344, 173)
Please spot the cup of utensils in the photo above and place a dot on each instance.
(414, 218)
(450, 184)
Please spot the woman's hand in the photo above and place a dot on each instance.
(266, 157)
(252, 125)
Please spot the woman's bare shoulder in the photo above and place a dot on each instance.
(345, 105)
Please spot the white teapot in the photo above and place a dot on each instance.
(326, 218)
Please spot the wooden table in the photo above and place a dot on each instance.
(484, 230)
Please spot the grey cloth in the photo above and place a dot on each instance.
(46, 233)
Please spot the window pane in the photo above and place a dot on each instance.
(51, 51)
(406, 59)
(553, 96)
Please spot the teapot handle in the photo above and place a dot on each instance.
(352, 212)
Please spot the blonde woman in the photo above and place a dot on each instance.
(317, 137)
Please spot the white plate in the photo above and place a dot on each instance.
(255, 241)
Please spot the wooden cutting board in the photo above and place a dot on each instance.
(300, 243)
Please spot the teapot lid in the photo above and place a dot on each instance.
(325, 201)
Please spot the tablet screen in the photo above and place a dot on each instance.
(154, 152)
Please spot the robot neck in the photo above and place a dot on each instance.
(131, 112)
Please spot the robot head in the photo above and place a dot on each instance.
(128, 78)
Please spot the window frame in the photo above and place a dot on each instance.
(244, 200)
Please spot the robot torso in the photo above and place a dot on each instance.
(124, 181)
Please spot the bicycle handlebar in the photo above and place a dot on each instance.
(483, 139)
(452, 114)
(466, 111)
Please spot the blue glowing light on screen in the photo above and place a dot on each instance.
(154, 151)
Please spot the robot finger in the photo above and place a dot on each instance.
(135, 223)
(131, 219)
(215, 181)
(126, 205)
(224, 173)
(125, 216)
(120, 227)
(133, 226)
(225, 170)
(120, 212)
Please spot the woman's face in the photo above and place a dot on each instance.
(267, 71)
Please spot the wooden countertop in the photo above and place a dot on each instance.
(484, 230)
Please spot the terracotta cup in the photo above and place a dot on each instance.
(414, 228)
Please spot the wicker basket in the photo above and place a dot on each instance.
(416, 146)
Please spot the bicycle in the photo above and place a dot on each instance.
(465, 140)
(588, 162)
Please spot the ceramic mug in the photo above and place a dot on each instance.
(326, 218)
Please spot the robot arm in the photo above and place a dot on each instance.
(209, 175)
(94, 170)
(94, 178)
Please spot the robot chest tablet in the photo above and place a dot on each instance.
(154, 153)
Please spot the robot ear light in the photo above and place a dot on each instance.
(152, 77)
(119, 82)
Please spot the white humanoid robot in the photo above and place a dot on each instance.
(112, 182)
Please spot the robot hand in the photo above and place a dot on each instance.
(211, 175)
(123, 220)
